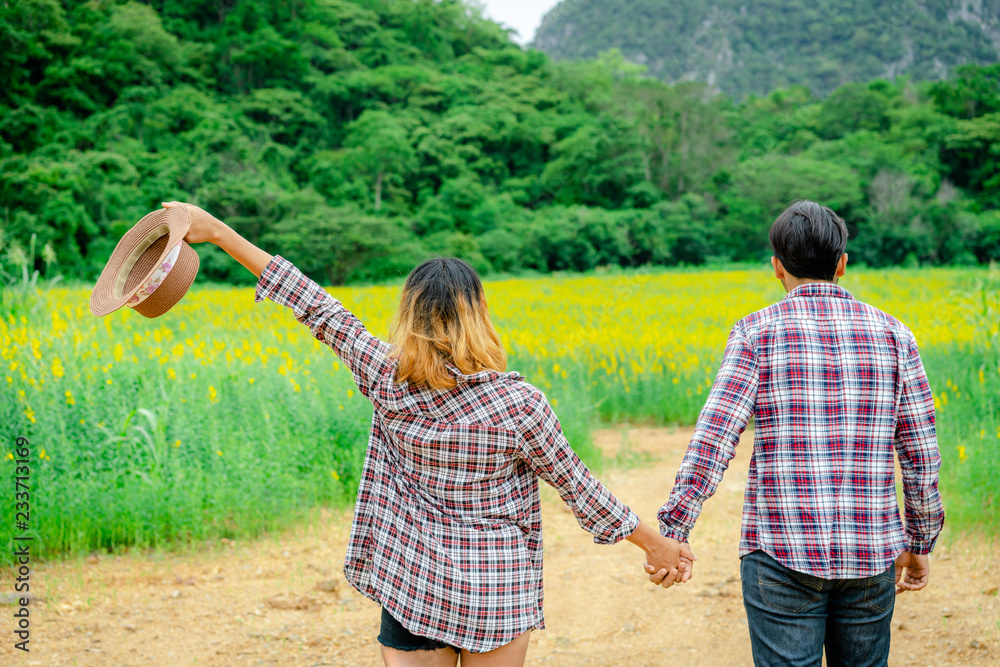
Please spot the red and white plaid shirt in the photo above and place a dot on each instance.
(447, 530)
(834, 386)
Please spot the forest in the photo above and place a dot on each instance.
(358, 137)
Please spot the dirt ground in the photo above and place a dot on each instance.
(284, 600)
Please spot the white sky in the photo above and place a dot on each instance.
(523, 15)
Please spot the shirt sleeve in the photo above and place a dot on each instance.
(919, 458)
(327, 318)
(550, 456)
(731, 402)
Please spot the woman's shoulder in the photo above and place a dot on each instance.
(510, 392)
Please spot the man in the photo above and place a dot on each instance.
(834, 386)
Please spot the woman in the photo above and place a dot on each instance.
(447, 532)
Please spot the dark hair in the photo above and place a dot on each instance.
(442, 318)
(809, 239)
(441, 282)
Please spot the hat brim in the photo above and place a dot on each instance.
(131, 265)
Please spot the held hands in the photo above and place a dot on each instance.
(670, 560)
(672, 564)
(205, 227)
(918, 571)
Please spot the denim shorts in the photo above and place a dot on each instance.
(394, 635)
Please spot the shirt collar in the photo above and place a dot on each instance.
(481, 376)
(821, 290)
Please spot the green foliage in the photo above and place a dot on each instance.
(360, 136)
(20, 294)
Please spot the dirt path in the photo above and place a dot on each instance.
(219, 607)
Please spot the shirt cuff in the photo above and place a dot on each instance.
(673, 532)
(273, 274)
(627, 527)
(920, 547)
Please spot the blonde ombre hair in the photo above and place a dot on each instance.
(442, 318)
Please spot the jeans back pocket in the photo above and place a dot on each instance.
(786, 590)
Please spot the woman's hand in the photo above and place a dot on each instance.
(685, 570)
(205, 227)
(664, 555)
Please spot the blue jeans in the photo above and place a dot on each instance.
(793, 615)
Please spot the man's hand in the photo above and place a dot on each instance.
(685, 570)
(918, 571)
(662, 553)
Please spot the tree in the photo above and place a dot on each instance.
(336, 240)
(380, 149)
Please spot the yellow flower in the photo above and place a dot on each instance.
(69, 398)
(109, 381)
(177, 443)
(212, 394)
(10, 456)
(332, 474)
(961, 453)
(350, 392)
(30, 414)
(171, 374)
(57, 368)
(250, 380)
(41, 454)
(119, 351)
(219, 452)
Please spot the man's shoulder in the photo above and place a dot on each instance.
(852, 307)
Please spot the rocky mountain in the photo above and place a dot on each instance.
(744, 47)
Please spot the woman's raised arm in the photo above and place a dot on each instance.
(277, 279)
(205, 227)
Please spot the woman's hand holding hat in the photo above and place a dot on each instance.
(205, 227)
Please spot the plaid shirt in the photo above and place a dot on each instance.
(834, 386)
(447, 529)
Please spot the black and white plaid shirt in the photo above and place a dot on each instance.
(447, 530)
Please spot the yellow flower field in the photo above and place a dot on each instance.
(225, 417)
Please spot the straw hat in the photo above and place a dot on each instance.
(151, 268)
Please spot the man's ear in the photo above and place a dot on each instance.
(842, 266)
(779, 270)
